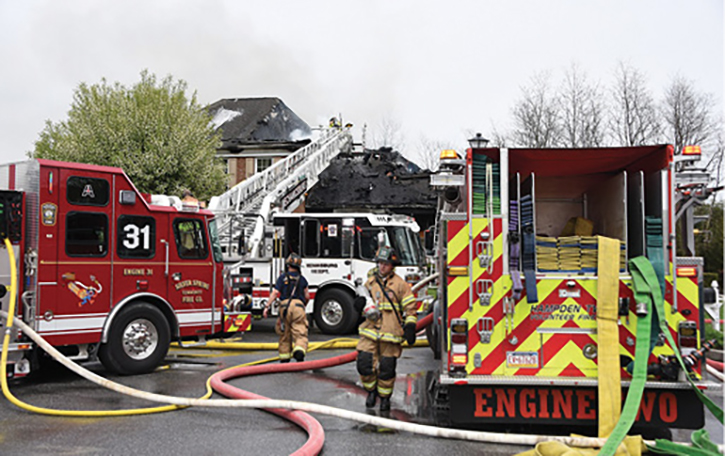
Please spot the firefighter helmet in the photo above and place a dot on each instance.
(294, 261)
(387, 254)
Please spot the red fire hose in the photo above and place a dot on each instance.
(314, 429)
(716, 365)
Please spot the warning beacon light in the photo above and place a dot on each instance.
(692, 151)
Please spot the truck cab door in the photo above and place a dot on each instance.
(85, 241)
(191, 277)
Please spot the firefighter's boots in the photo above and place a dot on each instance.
(372, 398)
(384, 404)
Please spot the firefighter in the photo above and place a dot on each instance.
(188, 198)
(390, 318)
(292, 326)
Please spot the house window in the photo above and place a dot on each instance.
(262, 164)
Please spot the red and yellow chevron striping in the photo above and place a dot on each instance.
(555, 337)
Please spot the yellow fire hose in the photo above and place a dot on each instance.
(610, 388)
(339, 343)
(180, 402)
(46, 411)
(331, 344)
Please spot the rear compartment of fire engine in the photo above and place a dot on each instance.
(521, 284)
(14, 214)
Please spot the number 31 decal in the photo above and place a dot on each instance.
(136, 237)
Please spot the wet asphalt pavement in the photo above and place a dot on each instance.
(207, 431)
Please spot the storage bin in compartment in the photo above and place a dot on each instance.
(486, 183)
(618, 192)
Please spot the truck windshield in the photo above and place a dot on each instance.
(407, 244)
(402, 239)
(216, 246)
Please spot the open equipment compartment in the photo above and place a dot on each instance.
(620, 190)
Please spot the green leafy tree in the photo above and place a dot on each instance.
(161, 138)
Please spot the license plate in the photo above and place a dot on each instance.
(522, 359)
(570, 293)
(480, 404)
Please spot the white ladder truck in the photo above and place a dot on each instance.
(337, 249)
(282, 186)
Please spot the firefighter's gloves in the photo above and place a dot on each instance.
(409, 330)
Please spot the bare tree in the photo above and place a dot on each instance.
(687, 114)
(427, 154)
(717, 156)
(581, 111)
(388, 133)
(499, 138)
(535, 115)
(633, 119)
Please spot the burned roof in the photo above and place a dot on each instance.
(247, 121)
(379, 179)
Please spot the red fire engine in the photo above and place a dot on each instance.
(107, 271)
(516, 327)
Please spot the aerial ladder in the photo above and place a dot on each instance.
(282, 187)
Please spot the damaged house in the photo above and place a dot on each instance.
(375, 181)
(256, 132)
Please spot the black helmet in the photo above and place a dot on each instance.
(388, 254)
(294, 261)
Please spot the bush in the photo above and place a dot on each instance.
(712, 333)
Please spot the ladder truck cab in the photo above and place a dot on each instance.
(337, 251)
(520, 241)
(106, 271)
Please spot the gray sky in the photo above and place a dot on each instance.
(439, 69)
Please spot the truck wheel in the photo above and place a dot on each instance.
(334, 312)
(432, 333)
(137, 342)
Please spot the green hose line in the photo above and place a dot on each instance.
(181, 402)
(701, 446)
(647, 290)
(639, 376)
(651, 278)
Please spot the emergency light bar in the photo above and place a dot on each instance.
(692, 150)
(689, 154)
(449, 154)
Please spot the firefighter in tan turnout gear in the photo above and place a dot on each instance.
(390, 318)
(292, 325)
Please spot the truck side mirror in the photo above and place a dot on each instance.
(428, 241)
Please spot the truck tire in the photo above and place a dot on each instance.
(432, 333)
(138, 340)
(334, 312)
(433, 341)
